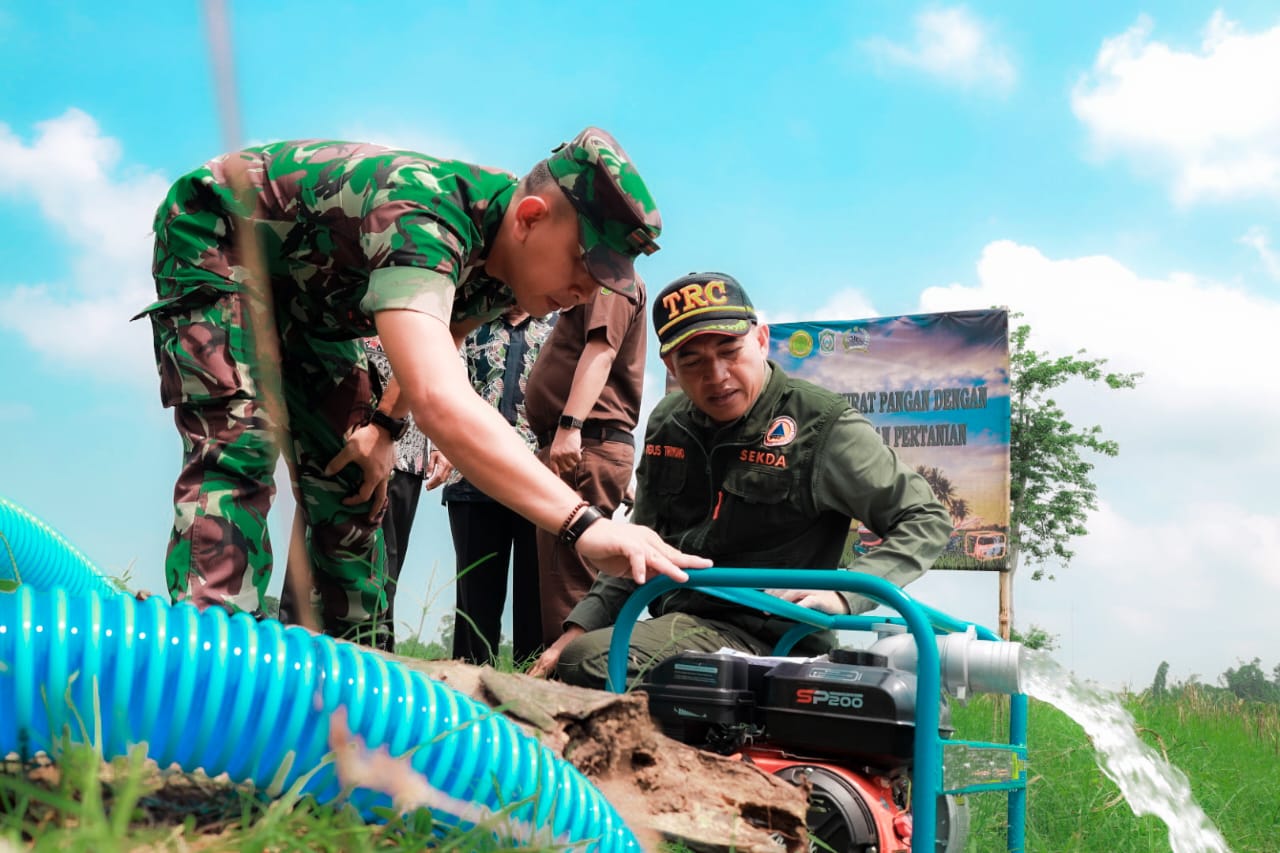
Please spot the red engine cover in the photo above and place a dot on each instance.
(880, 821)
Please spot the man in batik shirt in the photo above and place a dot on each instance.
(487, 537)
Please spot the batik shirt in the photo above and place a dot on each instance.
(499, 357)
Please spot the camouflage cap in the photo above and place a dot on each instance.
(701, 303)
(617, 217)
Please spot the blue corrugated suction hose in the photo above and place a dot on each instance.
(28, 545)
(229, 694)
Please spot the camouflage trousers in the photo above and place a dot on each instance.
(212, 375)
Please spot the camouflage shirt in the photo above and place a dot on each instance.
(346, 229)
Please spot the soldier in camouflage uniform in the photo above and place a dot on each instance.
(355, 240)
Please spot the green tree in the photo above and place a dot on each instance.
(1035, 638)
(1159, 685)
(443, 643)
(1050, 488)
(441, 648)
(1248, 681)
(945, 491)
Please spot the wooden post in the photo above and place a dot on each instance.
(1006, 603)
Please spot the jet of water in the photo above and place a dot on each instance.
(1149, 783)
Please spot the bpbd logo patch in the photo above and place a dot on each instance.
(781, 432)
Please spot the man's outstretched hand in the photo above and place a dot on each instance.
(635, 551)
(546, 663)
(825, 600)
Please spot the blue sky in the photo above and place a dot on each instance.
(1111, 170)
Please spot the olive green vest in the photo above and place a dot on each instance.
(742, 494)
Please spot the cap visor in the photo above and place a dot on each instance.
(730, 328)
(613, 270)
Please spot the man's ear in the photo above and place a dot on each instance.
(530, 209)
(763, 331)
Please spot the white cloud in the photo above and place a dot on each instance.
(84, 333)
(1138, 586)
(1258, 238)
(1195, 340)
(954, 46)
(1209, 119)
(68, 174)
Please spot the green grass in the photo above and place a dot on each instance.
(1230, 751)
(85, 805)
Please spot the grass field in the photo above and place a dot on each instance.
(1229, 749)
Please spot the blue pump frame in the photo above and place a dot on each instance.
(744, 586)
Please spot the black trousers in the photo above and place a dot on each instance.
(403, 494)
(487, 537)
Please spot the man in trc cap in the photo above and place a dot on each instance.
(354, 240)
(749, 467)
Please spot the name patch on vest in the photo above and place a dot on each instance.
(667, 451)
(763, 457)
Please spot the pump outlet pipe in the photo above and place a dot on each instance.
(228, 694)
(969, 665)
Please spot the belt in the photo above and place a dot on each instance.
(599, 432)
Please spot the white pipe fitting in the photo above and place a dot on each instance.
(969, 665)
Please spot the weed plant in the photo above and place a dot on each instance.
(82, 804)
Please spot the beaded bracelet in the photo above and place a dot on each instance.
(573, 513)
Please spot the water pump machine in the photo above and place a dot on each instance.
(844, 723)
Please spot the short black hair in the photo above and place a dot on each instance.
(538, 178)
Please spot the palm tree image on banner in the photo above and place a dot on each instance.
(936, 388)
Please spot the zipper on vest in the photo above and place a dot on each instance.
(708, 454)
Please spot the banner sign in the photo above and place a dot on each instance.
(936, 387)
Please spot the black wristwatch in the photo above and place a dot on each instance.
(570, 422)
(585, 519)
(395, 427)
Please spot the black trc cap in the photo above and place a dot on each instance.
(701, 303)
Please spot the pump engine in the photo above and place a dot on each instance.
(844, 723)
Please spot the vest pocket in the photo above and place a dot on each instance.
(758, 485)
(668, 477)
(755, 510)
